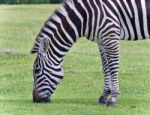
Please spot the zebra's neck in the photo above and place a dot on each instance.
(75, 19)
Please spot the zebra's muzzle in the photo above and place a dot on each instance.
(38, 99)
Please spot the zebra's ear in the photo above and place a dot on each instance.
(44, 44)
(41, 46)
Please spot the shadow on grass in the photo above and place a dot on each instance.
(26, 101)
(64, 101)
(122, 103)
(13, 53)
(77, 101)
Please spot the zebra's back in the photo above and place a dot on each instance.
(133, 15)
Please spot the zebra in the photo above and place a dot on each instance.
(105, 22)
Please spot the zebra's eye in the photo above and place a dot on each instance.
(37, 70)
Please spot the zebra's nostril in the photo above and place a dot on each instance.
(38, 99)
(41, 100)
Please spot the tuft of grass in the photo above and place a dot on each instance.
(83, 82)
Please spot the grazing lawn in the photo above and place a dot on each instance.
(83, 82)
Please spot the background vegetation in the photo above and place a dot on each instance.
(29, 1)
(83, 81)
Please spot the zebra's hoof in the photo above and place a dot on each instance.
(111, 102)
(102, 100)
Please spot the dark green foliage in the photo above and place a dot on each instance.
(29, 1)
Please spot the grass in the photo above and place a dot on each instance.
(83, 82)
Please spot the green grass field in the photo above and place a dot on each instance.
(83, 82)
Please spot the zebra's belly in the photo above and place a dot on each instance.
(135, 33)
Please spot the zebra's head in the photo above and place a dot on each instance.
(46, 73)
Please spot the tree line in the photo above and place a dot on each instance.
(29, 1)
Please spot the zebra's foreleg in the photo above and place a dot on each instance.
(107, 78)
(112, 52)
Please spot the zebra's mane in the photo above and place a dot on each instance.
(62, 10)
(54, 17)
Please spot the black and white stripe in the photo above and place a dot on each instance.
(103, 21)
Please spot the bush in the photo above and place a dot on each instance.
(29, 1)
